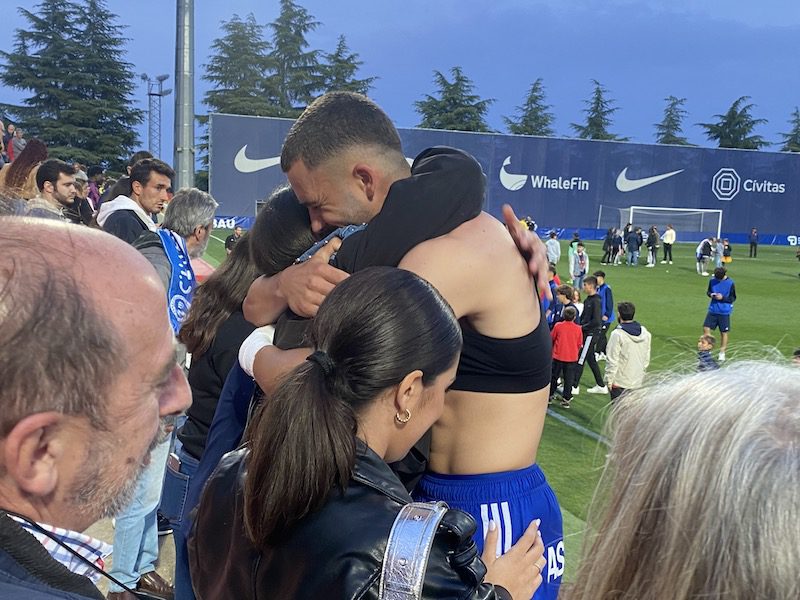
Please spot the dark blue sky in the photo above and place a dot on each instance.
(710, 52)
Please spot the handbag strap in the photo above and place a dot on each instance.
(408, 549)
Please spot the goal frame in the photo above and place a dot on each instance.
(716, 211)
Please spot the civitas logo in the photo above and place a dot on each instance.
(516, 181)
(727, 183)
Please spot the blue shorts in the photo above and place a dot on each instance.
(714, 320)
(512, 500)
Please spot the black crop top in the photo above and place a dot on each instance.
(505, 366)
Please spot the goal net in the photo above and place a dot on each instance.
(691, 224)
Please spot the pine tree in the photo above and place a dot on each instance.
(339, 71)
(70, 59)
(734, 129)
(791, 140)
(457, 107)
(671, 126)
(533, 117)
(297, 78)
(239, 71)
(598, 111)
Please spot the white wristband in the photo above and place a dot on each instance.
(260, 338)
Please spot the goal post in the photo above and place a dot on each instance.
(693, 222)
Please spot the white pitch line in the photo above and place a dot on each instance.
(577, 427)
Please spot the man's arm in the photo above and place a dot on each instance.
(301, 287)
(531, 247)
(731, 297)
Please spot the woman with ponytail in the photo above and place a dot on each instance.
(305, 508)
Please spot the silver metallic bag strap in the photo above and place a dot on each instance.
(407, 551)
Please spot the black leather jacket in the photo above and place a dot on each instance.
(335, 553)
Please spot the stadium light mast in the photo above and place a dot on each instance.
(183, 162)
(155, 92)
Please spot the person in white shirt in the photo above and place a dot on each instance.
(553, 249)
(627, 353)
(668, 239)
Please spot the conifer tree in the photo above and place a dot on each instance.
(456, 106)
(791, 140)
(70, 60)
(340, 68)
(735, 128)
(533, 117)
(599, 110)
(671, 126)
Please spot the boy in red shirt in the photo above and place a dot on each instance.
(567, 339)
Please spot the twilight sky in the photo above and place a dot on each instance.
(710, 52)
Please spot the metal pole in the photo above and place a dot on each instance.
(184, 95)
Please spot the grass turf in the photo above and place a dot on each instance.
(671, 302)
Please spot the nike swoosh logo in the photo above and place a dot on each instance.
(249, 165)
(628, 185)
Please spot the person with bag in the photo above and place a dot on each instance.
(306, 507)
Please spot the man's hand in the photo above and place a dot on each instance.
(531, 247)
(306, 285)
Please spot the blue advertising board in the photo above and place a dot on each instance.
(561, 183)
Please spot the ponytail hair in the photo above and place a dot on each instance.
(373, 329)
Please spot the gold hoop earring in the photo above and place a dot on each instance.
(405, 418)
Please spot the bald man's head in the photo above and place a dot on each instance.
(86, 353)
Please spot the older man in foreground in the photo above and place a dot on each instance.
(88, 372)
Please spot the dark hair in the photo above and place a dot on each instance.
(565, 290)
(719, 273)
(51, 170)
(796, 352)
(217, 298)
(552, 268)
(553, 234)
(94, 171)
(626, 311)
(570, 312)
(140, 155)
(591, 280)
(33, 154)
(141, 170)
(334, 122)
(374, 328)
(576, 236)
(580, 245)
(599, 274)
(281, 233)
(70, 369)
(708, 339)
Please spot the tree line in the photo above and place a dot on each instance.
(70, 59)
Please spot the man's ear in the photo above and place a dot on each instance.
(408, 392)
(367, 177)
(136, 187)
(48, 187)
(31, 452)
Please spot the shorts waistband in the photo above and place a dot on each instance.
(465, 487)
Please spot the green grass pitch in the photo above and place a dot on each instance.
(671, 302)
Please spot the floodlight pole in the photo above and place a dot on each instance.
(184, 95)
(155, 92)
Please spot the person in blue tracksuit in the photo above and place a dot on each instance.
(722, 292)
(607, 309)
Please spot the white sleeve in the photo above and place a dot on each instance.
(260, 338)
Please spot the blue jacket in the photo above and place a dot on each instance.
(728, 291)
(28, 572)
(607, 302)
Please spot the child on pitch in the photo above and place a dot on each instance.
(703, 254)
(567, 339)
(706, 362)
(607, 303)
(796, 357)
(726, 252)
(579, 266)
(563, 296)
(549, 307)
(591, 323)
(722, 292)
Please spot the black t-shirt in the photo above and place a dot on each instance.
(207, 375)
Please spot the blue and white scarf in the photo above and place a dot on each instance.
(182, 281)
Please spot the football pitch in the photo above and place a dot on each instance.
(671, 303)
